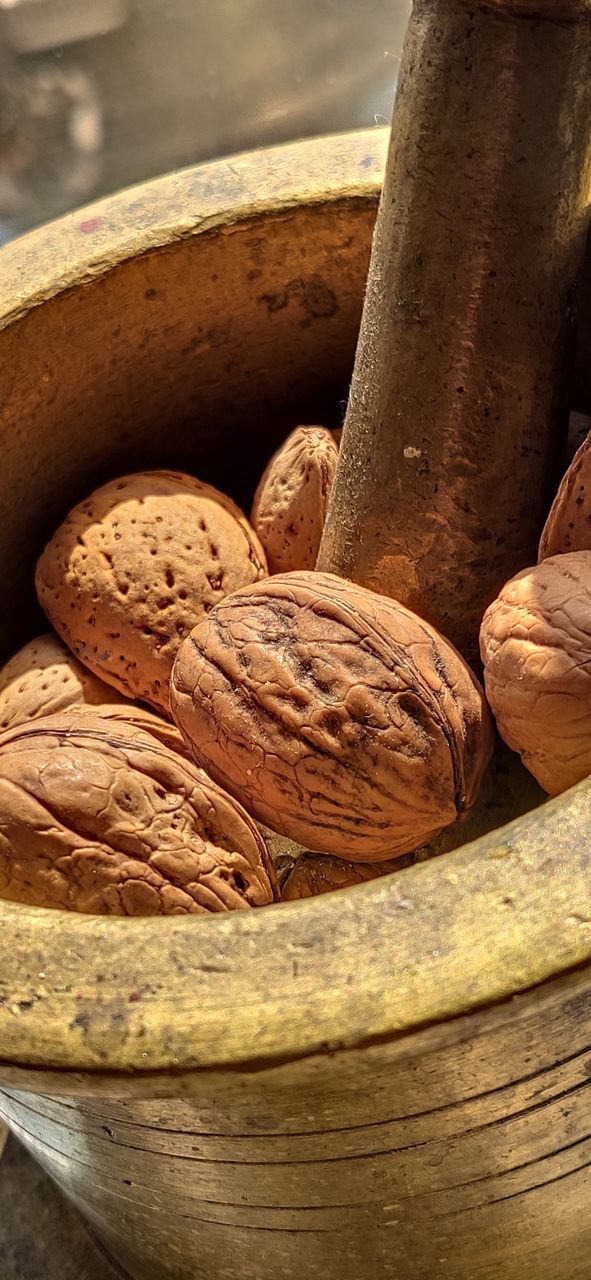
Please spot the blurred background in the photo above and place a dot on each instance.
(98, 94)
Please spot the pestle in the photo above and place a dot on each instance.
(457, 414)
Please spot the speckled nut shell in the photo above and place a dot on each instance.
(44, 677)
(99, 817)
(535, 643)
(292, 498)
(134, 567)
(568, 527)
(338, 717)
(316, 873)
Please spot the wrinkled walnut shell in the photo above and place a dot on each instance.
(316, 873)
(135, 567)
(568, 527)
(338, 717)
(291, 501)
(535, 643)
(99, 817)
(137, 717)
(43, 678)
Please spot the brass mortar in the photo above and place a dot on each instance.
(394, 1081)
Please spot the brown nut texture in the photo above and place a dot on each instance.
(291, 501)
(568, 527)
(135, 567)
(336, 716)
(99, 817)
(138, 717)
(535, 643)
(44, 677)
(316, 873)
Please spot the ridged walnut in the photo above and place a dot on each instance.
(99, 817)
(138, 717)
(336, 716)
(135, 567)
(535, 643)
(314, 874)
(568, 527)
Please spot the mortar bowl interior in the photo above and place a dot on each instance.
(191, 323)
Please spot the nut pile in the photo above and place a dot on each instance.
(202, 680)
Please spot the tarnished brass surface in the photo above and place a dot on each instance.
(457, 414)
(467, 1156)
(390, 1082)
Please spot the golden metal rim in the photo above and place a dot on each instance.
(472, 928)
(95, 239)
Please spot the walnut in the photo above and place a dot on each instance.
(44, 677)
(292, 498)
(99, 817)
(134, 567)
(338, 717)
(568, 527)
(315, 873)
(138, 717)
(535, 643)
(282, 852)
